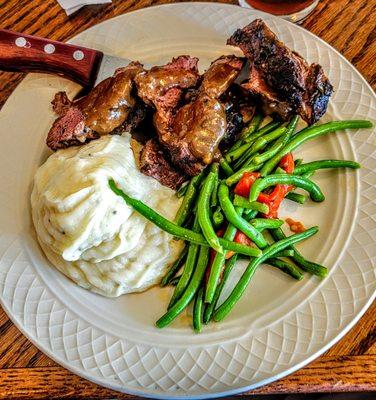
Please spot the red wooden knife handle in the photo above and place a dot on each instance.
(25, 53)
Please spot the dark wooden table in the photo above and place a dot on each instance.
(350, 365)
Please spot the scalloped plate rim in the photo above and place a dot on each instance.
(150, 393)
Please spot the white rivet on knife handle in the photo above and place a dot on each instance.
(49, 48)
(78, 55)
(20, 42)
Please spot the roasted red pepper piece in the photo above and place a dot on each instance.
(287, 163)
(280, 191)
(244, 185)
(241, 238)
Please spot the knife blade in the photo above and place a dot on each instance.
(108, 66)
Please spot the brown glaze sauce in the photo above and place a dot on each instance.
(201, 124)
(109, 103)
(154, 83)
(218, 78)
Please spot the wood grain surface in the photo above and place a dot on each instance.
(350, 365)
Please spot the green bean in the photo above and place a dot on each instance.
(174, 267)
(292, 124)
(197, 311)
(240, 287)
(244, 159)
(203, 212)
(226, 167)
(315, 165)
(218, 218)
(217, 264)
(189, 267)
(240, 248)
(273, 150)
(297, 197)
(249, 161)
(216, 267)
(158, 219)
(288, 268)
(174, 281)
(249, 214)
(182, 190)
(240, 201)
(308, 174)
(278, 144)
(310, 133)
(252, 127)
(190, 291)
(261, 142)
(208, 312)
(279, 170)
(190, 196)
(265, 223)
(285, 253)
(286, 179)
(176, 230)
(298, 161)
(264, 130)
(233, 217)
(235, 146)
(233, 155)
(214, 196)
(234, 178)
(309, 266)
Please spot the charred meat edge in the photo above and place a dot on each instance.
(284, 82)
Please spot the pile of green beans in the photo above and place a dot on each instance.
(199, 274)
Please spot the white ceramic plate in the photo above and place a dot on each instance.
(279, 325)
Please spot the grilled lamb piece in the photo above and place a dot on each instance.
(104, 109)
(69, 130)
(61, 103)
(281, 78)
(153, 85)
(164, 87)
(154, 162)
(193, 133)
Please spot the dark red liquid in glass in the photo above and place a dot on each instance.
(280, 7)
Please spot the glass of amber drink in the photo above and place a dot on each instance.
(293, 10)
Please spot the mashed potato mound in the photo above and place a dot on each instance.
(90, 234)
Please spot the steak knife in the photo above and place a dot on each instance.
(26, 53)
